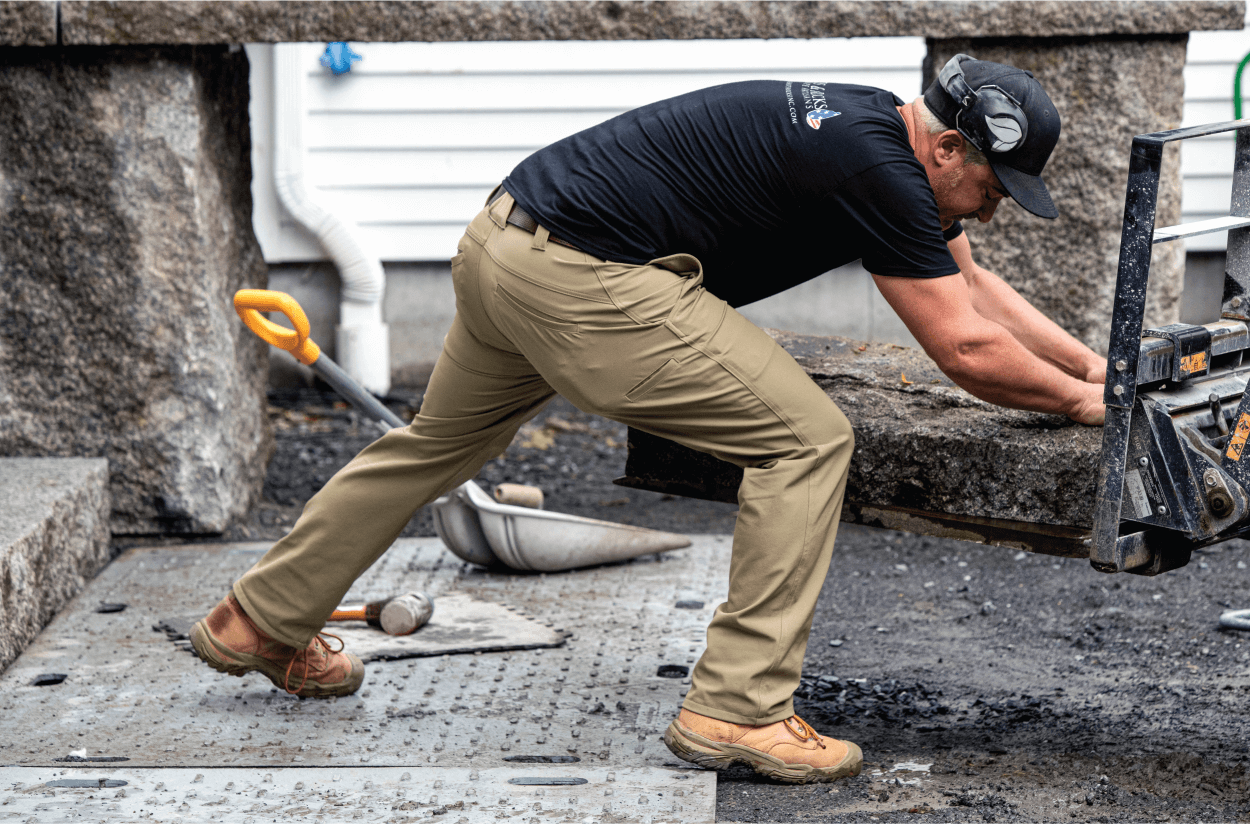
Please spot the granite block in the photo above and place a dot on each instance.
(54, 538)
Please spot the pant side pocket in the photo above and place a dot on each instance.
(654, 379)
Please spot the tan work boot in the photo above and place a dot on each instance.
(228, 641)
(788, 750)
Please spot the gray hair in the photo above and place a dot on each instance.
(935, 126)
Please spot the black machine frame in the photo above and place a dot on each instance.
(1151, 373)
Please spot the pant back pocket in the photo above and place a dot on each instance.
(534, 315)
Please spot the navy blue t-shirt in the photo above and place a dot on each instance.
(768, 183)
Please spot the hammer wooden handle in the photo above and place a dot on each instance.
(369, 612)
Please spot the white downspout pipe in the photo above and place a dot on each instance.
(362, 339)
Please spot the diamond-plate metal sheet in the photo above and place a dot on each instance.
(456, 795)
(130, 693)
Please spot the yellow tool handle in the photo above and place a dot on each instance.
(249, 303)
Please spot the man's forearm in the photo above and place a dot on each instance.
(997, 301)
(983, 356)
(995, 366)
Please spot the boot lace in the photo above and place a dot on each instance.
(322, 649)
(803, 731)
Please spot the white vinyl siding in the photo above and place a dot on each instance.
(1207, 162)
(408, 144)
(411, 141)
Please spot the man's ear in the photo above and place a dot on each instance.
(950, 148)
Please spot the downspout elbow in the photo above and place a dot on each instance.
(363, 346)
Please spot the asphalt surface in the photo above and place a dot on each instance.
(983, 684)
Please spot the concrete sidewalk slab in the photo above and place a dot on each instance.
(603, 698)
(458, 795)
(54, 537)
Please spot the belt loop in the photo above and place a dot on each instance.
(499, 209)
(540, 238)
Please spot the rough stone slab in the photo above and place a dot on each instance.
(28, 23)
(125, 228)
(124, 23)
(1106, 92)
(570, 793)
(921, 444)
(53, 539)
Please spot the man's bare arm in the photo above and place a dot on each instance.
(995, 300)
(983, 356)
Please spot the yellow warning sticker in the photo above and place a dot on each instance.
(1195, 363)
(1238, 442)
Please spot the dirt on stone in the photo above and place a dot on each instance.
(984, 684)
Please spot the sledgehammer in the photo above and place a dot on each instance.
(399, 615)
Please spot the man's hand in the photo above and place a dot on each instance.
(1097, 373)
(1090, 409)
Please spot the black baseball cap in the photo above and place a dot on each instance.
(1005, 113)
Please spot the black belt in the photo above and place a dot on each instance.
(521, 219)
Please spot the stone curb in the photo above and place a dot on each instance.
(88, 22)
(54, 538)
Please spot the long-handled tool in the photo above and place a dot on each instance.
(474, 526)
(399, 615)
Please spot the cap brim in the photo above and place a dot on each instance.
(1027, 190)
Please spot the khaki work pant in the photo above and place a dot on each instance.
(645, 345)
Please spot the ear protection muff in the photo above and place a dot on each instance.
(989, 117)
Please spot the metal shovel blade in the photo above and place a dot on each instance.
(458, 527)
(534, 539)
(482, 531)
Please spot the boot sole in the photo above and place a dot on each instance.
(223, 659)
(715, 755)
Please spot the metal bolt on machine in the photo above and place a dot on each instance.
(1174, 473)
